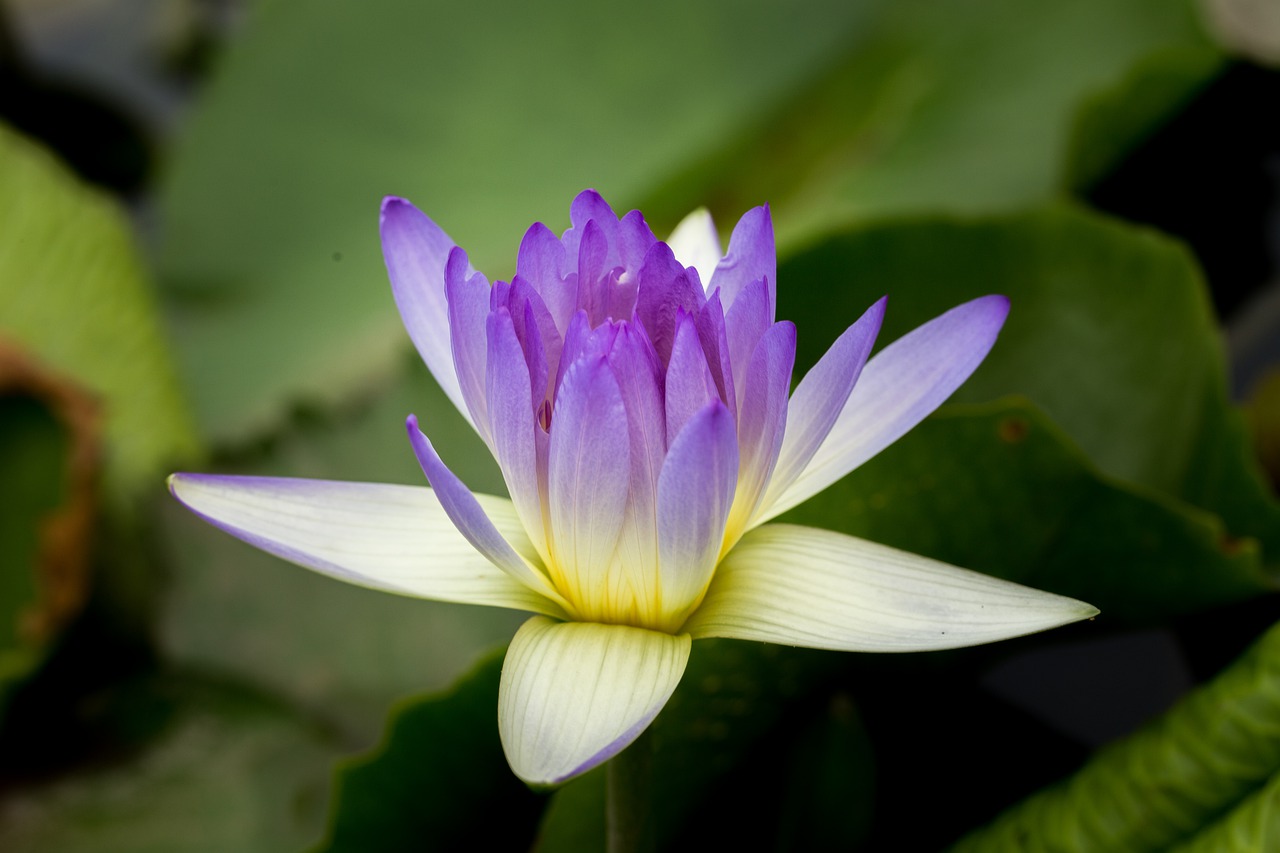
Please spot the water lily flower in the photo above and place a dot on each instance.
(636, 395)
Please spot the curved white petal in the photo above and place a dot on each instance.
(392, 538)
(574, 694)
(807, 587)
(898, 388)
(416, 252)
(696, 244)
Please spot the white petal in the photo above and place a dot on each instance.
(696, 244)
(393, 538)
(898, 388)
(807, 587)
(574, 694)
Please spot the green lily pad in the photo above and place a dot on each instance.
(1164, 784)
(487, 115)
(75, 296)
(961, 108)
(1110, 332)
(227, 771)
(439, 775)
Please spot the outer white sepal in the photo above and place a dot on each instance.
(392, 538)
(696, 244)
(574, 694)
(801, 586)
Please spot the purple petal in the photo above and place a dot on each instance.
(820, 397)
(665, 288)
(636, 367)
(762, 419)
(715, 344)
(538, 336)
(745, 325)
(416, 252)
(588, 471)
(695, 493)
(751, 257)
(511, 423)
(469, 517)
(594, 270)
(689, 384)
(541, 262)
(468, 298)
(901, 385)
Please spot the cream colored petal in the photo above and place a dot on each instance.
(393, 538)
(801, 586)
(574, 694)
(696, 244)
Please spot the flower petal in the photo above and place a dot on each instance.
(512, 425)
(815, 588)
(416, 252)
(762, 421)
(751, 257)
(588, 471)
(393, 538)
(696, 244)
(468, 296)
(695, 492)
(689, 383)
(471, 520)
(898, 388)
(819, 399)
(575, 694)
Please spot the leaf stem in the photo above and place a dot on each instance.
(629, 785)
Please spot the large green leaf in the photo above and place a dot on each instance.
(228, 770)
(963, 107)
(438, 780)
(487, 114)
(1173, 778)
(1110, 332)
(998, 488)
(74, 294)
(343, 651)
(490, 116)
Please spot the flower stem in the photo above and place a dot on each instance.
(629, 783)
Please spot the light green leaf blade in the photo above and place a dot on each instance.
(74, 294)
(486, 115)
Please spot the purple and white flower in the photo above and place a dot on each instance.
(637, 396)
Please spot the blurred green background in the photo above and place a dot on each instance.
(190, 278)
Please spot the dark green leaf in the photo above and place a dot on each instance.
(1165, 783)
(438, 781)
